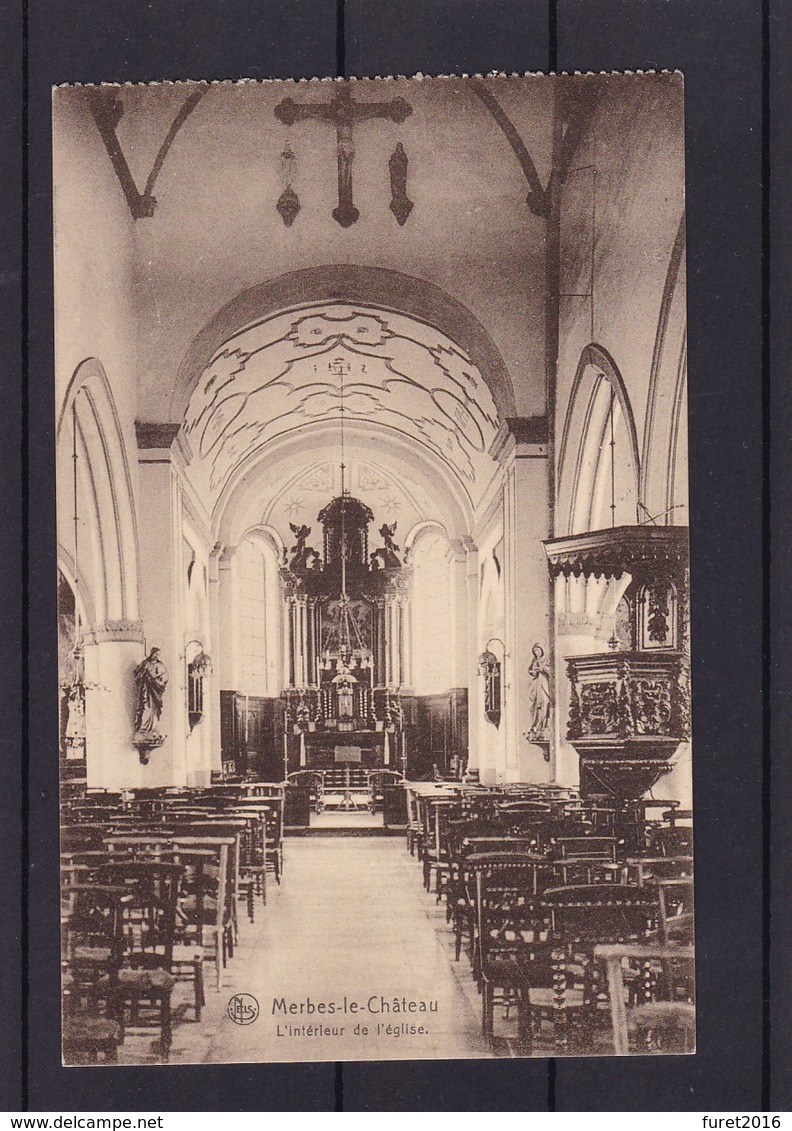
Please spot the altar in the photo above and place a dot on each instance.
(363, 749)
(347, 627)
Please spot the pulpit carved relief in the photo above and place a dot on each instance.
(630, 706)
(624, 695)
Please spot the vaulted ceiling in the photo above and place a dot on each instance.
(280, 387)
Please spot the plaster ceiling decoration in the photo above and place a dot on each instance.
(370, 479)
(276, 378)
(317, 479)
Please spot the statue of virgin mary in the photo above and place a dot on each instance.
(538, 697)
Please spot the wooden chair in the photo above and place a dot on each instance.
(674, 840)
(268, 802)
(82, 838)
(314, 781)
(209, 908)
(413, 821)
(378, 780)
(186, 949)
(675, 910)
(144, 980)
(511, 936)
(482, 855)
(221, 826)
(93, 933)
(580, 918)
(651, 1026)
(89, 1040)
(477, 848)
(586, 860)
(145, 846)
(93, 949)
(274, 826)
(644, 869)
(437, 812)
(253, 850)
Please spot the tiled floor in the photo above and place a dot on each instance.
(351, 926)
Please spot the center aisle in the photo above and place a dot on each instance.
(351, 921)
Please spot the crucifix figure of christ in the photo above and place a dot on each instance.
(343, 112)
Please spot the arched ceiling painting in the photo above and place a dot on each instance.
(280, 377)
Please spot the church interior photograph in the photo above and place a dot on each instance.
(372, 569)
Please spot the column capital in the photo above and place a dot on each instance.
(156, 438)
(116, 630)
(526, 436)
(155, 434)
(464, 545)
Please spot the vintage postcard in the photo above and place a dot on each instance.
(373, 569)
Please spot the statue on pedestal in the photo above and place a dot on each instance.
(538, 697)
(74, 734)
(151, 679)
(344, 683)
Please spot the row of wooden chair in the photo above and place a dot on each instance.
(152, 882)
(541, 887)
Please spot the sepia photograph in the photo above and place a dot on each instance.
(372, 569)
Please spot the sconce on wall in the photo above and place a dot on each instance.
(198, 669)
(491, 669)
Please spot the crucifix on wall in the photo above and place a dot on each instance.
(343, 112)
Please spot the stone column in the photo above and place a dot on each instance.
(398, 618)
(407, 645)
(527, 592)
(213, 684)
(389, 665)
(475, 706)
(457, 567)
(228, 668)
(312, 644)
(291, 667)
(112, 650)
(379, 638)
(161, 586)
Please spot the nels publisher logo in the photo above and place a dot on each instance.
(243, 1009)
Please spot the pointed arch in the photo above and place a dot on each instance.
(89, 428)
(666, 422)
(597, 380)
